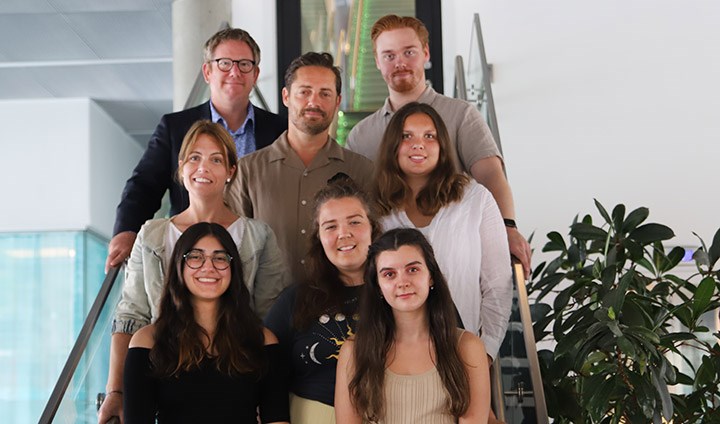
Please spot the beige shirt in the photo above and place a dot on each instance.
(274, 186)
(467, 129)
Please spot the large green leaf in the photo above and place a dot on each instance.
(705, 374)
(584, 232)
(662, 390)
(602, 211)
(599, 389)
(648, 233)
(618, 215)
(714, 251)
(674, 257)
(635, 218)
(555, 244)
(702, 296)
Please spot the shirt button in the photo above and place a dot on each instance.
(303, 202)
(302, 231)
(302, 261)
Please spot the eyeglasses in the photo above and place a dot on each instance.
(196, 259)
(244, 65)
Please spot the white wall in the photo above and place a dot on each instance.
(258, 18)
(614, 100)
(45, 180)
(113, 156)
(65, 166)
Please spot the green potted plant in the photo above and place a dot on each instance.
(614, 315)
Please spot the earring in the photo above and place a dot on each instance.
(432, 287)
(227, 181)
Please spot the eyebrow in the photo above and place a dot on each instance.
(405, 266)
(211, 154)
(411, 46)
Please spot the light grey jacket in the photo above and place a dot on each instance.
(264, 272)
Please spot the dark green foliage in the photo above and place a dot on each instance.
(615, 302)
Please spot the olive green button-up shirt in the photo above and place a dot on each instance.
(275, 186)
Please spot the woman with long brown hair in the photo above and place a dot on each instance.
(408, 361)
(417, 185)
(314, 318)
(207, 358)
(207, 164)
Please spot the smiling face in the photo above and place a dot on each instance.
(404, 278)
(401, 58)
(232, 86)
(345, 233)
(207, 282)
(205, 170)
(312, 99)
(419, 150)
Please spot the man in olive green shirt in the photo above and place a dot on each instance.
(277, 184)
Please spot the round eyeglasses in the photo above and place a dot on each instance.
(195, 260)
(244, 65)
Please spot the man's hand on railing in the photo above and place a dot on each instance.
(119, 249)
(110, 411)
(520, 248)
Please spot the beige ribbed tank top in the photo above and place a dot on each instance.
(415, 399)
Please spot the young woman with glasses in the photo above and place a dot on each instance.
(207, 357)
(208, 163)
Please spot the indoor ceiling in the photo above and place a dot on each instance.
(117, 52)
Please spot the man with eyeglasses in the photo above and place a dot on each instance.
(231, 59)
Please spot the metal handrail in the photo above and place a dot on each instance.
(530, 348)
(485, 96)
(80, 344)
(460, 88)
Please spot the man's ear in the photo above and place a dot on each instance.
(206, 69)
(285, 95)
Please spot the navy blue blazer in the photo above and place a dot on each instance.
(156, 170)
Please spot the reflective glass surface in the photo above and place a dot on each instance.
(49, 282)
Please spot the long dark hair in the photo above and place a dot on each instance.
(322, 292)
(445, 184)
(180, 341)
(376, 332)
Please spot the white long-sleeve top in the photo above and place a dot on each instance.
(471, 247)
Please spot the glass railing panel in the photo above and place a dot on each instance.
(478, 78)
(79, 403)
(49, 279)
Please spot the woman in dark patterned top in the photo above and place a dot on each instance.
(207, 358)
(313, 319)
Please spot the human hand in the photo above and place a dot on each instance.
(111, 409)
(119, 248)
(520, 248)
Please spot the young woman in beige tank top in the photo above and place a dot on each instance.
(408, 362)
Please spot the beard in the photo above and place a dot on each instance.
(403, 81)
(312, 126)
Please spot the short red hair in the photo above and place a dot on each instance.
(389, 22)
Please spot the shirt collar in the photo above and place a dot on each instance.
(217, 118)
(426, 97)
(281, 149)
